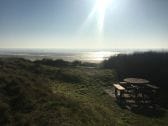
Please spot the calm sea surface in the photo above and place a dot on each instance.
(94, 56)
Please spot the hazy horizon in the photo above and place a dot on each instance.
(83, 55)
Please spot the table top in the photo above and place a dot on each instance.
(136, 80)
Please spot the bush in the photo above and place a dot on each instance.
(56, 63)
(150, 65)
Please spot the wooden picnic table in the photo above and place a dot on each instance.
(140, 88)
(136, 81)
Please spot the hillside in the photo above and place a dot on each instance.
(34, 93)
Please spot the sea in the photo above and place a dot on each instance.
(84, 55)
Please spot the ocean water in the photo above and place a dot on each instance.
(94, 56)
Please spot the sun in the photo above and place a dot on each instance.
(102, 5)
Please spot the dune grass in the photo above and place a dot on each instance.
(38, 94)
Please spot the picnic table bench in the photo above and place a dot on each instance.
(119, 90)
(150, 92)
(152, 86)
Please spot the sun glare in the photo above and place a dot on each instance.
(99, 9)
(101, 6)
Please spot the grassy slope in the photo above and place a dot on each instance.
(44, 95)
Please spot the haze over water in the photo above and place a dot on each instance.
(94, 56)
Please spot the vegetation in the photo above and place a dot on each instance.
(44, 93)
(62, 63)
(150, 65)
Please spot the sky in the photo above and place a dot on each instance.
(84, 24)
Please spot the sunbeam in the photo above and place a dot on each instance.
(101, 6)
(99, 9)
